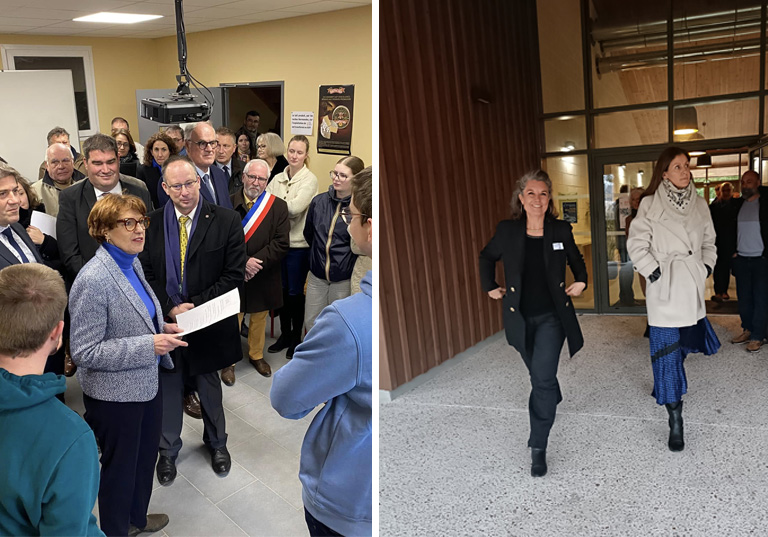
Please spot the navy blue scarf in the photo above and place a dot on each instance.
(176, 292)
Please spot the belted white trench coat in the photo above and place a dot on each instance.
(681, 244)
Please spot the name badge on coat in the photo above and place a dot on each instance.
(557, 246)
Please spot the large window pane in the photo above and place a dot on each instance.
(570, 191)
(636, 127)
(567, 133)
(721, 119)
(629, 54)
(560, 55)
(717, 51)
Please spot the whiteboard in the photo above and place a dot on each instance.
(31, 104)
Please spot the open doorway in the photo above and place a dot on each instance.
(264, 97)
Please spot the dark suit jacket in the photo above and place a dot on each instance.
(508, 245)
(269, 243)
(235, 175)
(215, 264)
(151, 177)
(221, 186)
(6, 256)
(76, 245)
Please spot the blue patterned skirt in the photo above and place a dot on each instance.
(669, 347)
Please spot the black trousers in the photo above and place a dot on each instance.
(317, 528)
(208, 387)
(128, 434)
(721, 274)
(544, 337)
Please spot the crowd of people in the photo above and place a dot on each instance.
(674, 241)
(229, 210)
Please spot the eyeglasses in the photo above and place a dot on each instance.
(334, 174)
(123, 144)
(256, 178)
(347, 215)
(63, 162)
(177, 139)
(130, 223)
(262, 146)
(177, 188)
(202, 144)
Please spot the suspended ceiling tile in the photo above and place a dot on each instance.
(319, 7)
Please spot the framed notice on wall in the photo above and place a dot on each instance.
(570, 211)
(335, 118)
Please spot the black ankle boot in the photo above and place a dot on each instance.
(676, 442)
(538, 462)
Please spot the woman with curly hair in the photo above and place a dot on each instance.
(158, 149)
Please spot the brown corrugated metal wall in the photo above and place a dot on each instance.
(448, 163)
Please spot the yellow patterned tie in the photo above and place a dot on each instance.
(183, 242)
(248, 205)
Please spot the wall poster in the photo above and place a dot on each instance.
(335, 119)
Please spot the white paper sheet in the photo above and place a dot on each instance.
(44, 222)
(209, 313)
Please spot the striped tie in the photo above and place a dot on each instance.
(183, 242)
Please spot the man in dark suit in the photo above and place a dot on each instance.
(102, 167)
(195, 251)
(201, 149)
(266, 228)
(232, 168)
(15, 245)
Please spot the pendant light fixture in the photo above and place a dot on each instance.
(686, 120)
(704, 161)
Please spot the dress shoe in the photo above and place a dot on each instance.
(192, 406)
(69, 366)
(154, 523)
(281, 343)
(166, 470)
(742, 338)
(754, 345)
(290, 351)
(221, 461)
(538, 462)
(262, 367)
(675, 411)
(228, 375)
(717, 298)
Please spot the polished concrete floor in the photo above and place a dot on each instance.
(453, 456)
(262, 493)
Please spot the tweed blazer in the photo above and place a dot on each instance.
(111, 333)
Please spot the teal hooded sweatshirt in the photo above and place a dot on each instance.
(49, 478)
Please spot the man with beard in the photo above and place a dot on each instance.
(750, 264)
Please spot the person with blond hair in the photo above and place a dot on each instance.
(33, 422)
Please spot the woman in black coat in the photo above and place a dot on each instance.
(538, 311)
(158, 149)
(126, 150)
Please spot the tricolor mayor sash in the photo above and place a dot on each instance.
(256, 215)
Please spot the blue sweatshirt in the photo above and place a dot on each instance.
(49, 478)
(333, 366)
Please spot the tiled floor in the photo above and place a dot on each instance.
(453, 457)
(262, 493)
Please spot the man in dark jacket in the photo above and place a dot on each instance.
(750, 264)
(266, 228)
(60, 173)
(724, 210)
(232, 168)
(194, 252)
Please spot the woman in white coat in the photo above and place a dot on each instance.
(672, 244)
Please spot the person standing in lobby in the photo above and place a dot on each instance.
(724, 210)
(538, 309)
(750, 265)
(672, 244)
(119, 341)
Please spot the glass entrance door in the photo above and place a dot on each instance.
(623, 183)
